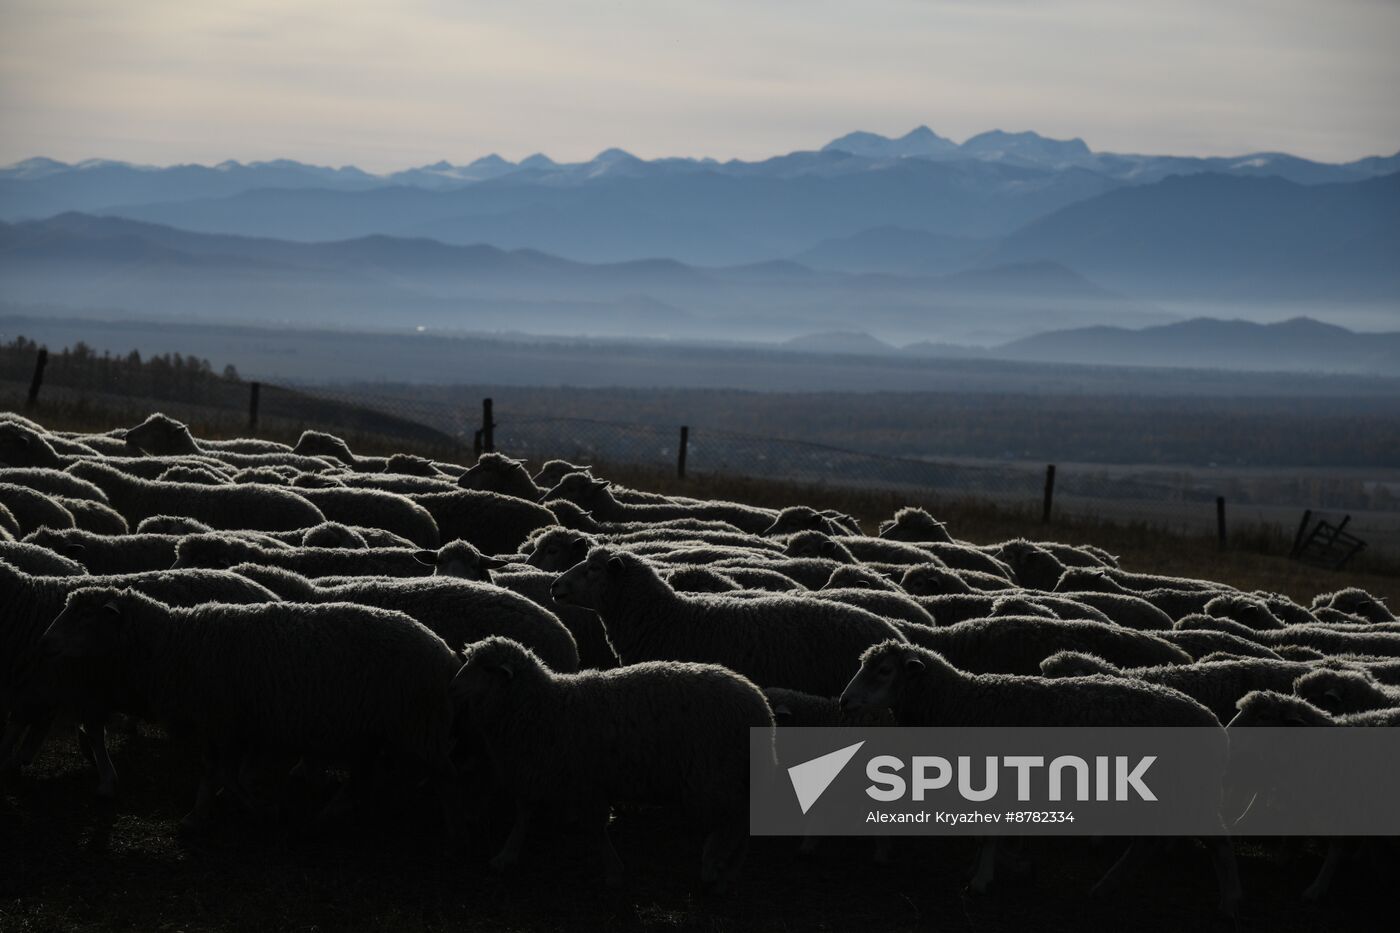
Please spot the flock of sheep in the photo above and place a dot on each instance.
(571, 645)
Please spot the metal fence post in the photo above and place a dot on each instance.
(1049, 493)
(680, 458)
(1220, 519)
(254, 393)
(488, 427)
(40, 362)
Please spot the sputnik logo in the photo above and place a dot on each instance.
(811, 778)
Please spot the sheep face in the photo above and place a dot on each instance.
(571, 516)
(884, 670)
(215, 552)
(587, 584)
(856, 578)
(557, 550)
(161, 435)
(411, 465)
(1244, 610)
(492, 670)
(459, 559)
(1268, 708)
(333, 534)
(1357, 602)
(1032, 566)
(1082, 580)
(1075, 664)
(1339, 692)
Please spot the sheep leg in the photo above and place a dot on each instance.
(597, 817)
(510, 853)
(1336, 852)
(1227, 874)
(985, 866)
(93, 734)
(1132, 859)
(35, 737)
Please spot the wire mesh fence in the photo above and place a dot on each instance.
(1179, 500)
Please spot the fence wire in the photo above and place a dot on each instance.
(1179, 500)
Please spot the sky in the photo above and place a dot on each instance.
(390, 85)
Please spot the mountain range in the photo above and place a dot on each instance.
(1004, 236)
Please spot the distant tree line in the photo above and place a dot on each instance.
(161, 376)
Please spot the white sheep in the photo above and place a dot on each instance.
(779, 640)
(660, 732)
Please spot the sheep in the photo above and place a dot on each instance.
(1010, 604)
(850, 549)
(1217, 685)
(225, 550)
(1040, 564)
(1175, 603)
(94, 516)
(780, 640)
(1284, 609)
(914, 524)
(23, 446)
(260, 508)
(132, 553)
(199, 474)
(460, 559)
(936, 579)
(552, 471)
(495, 472)
(699, 580)
(1017, 644)
(659, 732)
(33, 509)
(1275, 709)
(171, 525)
(570, 515)
(1326, 640)
(321, 444)
(1246, 610)
(1345, 691)
(1200, 642)
(53, 483)
(535, 585)
(268, 475)
(412, 465)
(805, 572)
(457, 611)
(317, 481)
(1351, 599)
(961, 557)
(337, 682)
(1127, 611)
(893, 607)
(949, 610)
(1296, 652)
(30, 604)
(596, 496)
(334, 534)
(162, 435)
(799, 518)
(923, 687)
(851, 577)
(494, 523)
(38, 560)
(377, 509)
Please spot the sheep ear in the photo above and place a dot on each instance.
(1333, 695)
(504, 668)
(73, 549)
(490, 563)
(828, 547)
(782, 713)
(426, 557)
(112, 608)
(119, 434)
(913, 665)
(615, 565)
(601, 483)
(580, 545)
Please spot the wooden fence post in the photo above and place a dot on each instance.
(680, 458)
(488, 427)
(1049, 493)
(254, 393)
(1302, 530)
(39, 363)
(1220, 519)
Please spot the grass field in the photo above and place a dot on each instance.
(70, 862)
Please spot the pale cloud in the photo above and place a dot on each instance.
(392, 84)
